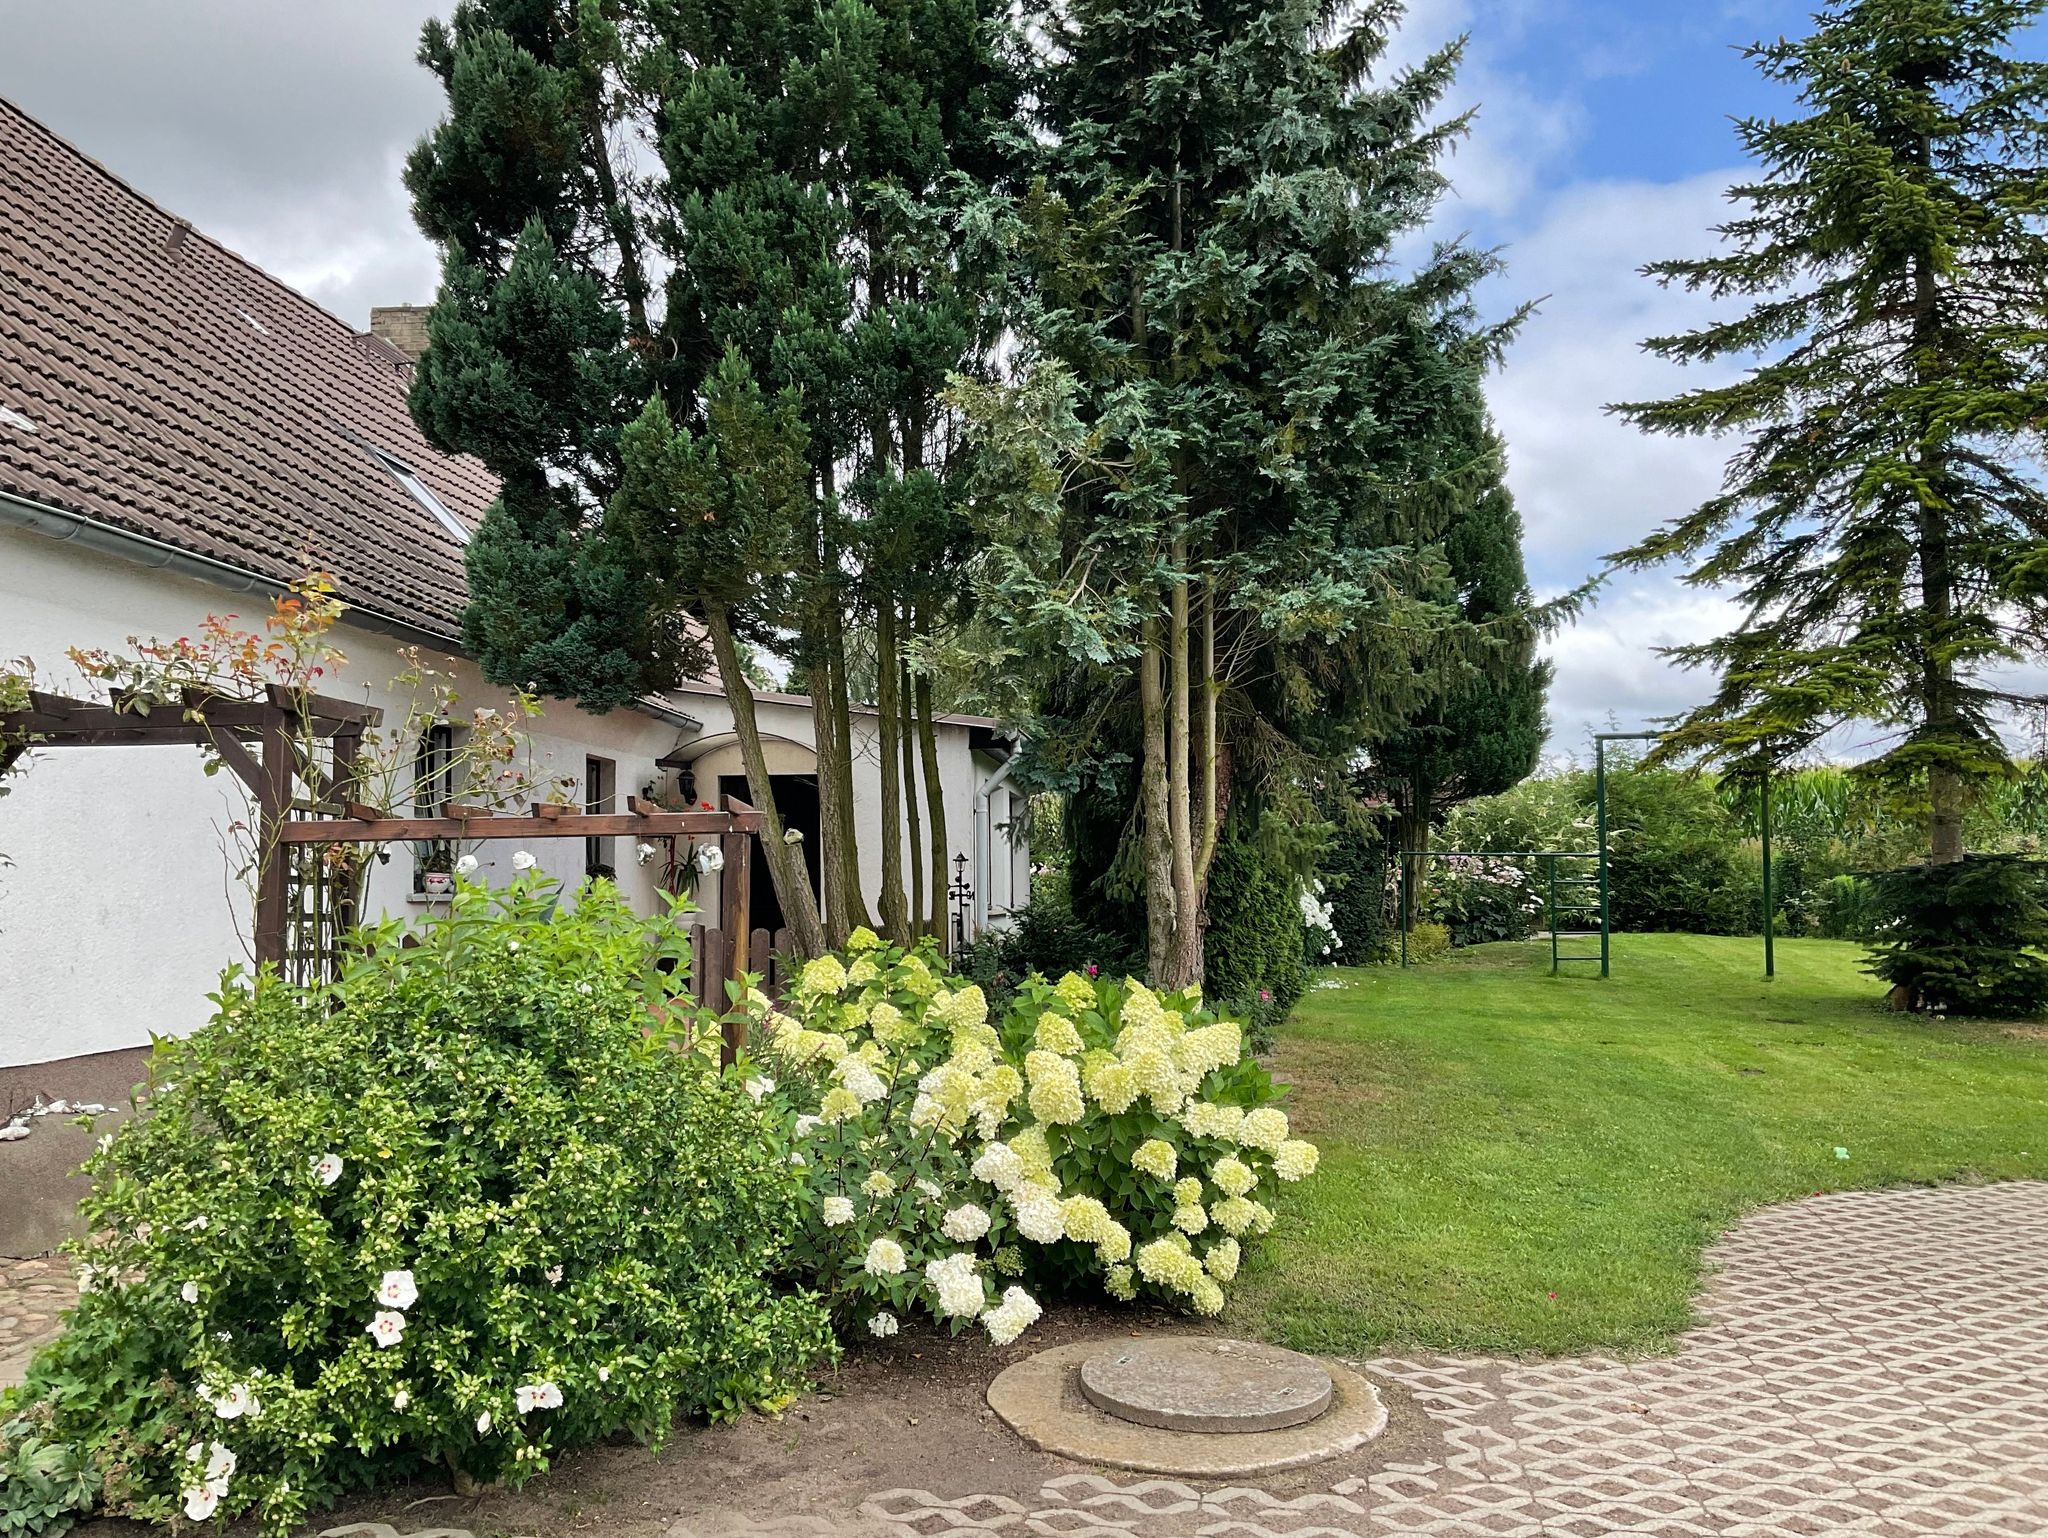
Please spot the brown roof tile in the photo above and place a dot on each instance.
(180, 392)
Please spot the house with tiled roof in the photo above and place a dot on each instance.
(181, 435)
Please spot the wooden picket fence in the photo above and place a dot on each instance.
(710, 961)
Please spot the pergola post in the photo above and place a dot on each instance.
(273, 863)
(735, 914)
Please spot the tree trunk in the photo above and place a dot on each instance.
(853, 900)
(935, 808)
(1209, 816)
(1154, 799)
(907, 702)
(1937, 603)
(895, 909)
(1185, 967)
(1412, 829)
(831, 851)
(785, 862)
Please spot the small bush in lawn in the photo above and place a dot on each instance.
(463, 1207)
(1096, 1134)
(1965, 937)
(1428, 942)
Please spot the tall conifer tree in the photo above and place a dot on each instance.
(1884, 524)
(1207, 489)
(1480, 731)
(727, 273)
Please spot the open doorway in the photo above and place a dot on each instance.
(796, 798)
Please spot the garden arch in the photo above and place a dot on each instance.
(296, 754)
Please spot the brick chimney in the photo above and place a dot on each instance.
(404, 326)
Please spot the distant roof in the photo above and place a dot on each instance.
(153, 381)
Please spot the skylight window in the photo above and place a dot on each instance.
(11, 418)
(422, 493)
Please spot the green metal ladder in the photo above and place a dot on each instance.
(1575, 895)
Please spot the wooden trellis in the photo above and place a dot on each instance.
(276, 745)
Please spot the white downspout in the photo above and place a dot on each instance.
(984, 841)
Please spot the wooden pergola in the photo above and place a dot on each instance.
(297, 756)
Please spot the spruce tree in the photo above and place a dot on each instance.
(1204, 496)
(1883, 525)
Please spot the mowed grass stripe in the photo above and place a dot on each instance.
(1518, 1163)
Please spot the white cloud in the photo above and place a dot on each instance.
(1609, 676)
(277, 129)
(1589, 483)
(1519, 132)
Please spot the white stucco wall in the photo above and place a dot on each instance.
(117, 910)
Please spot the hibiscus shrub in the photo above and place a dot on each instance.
(478, 1201)
(1096, 1134)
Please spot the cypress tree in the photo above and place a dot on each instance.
(1883, 524)
(733, 290)
(1481, 730)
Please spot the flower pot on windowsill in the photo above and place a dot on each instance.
(437, 883)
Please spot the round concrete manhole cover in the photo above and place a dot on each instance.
(1206, 1385)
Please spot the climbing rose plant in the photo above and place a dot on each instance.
(1097, 1134)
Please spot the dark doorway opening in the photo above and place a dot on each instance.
(796, 798)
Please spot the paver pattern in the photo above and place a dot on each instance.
(33, 1295)
(1871, 1363)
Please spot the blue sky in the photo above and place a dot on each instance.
(1604, 140)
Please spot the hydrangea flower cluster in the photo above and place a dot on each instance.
(958, 1162)
(1319, 918)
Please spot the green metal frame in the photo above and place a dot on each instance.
(1765, 792)
(1552, 881)
(1600, 741)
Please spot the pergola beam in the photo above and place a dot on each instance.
(391, 830)
(260, 740)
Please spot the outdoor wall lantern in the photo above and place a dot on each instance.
(962, 894)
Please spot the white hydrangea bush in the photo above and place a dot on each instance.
(465, 1208)
(1097, 1136)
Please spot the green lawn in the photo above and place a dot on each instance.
(1514, 1162)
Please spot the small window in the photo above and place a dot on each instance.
(422, 493)
(433, 787)
(599, 776)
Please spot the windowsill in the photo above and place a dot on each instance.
(426, 899)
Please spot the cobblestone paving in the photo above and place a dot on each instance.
(1870, 1364)
(32, 1294)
